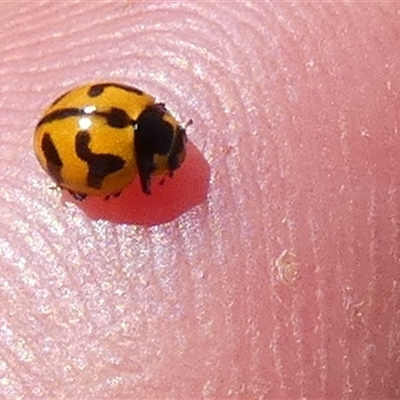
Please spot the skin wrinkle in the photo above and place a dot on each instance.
(284, 283)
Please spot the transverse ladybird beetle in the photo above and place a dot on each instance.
(94, 139)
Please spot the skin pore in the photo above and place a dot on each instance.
(284, 282)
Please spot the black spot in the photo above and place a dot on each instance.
(53, 160)
(98, 89)
(153, 136)
(117, 118)
(61, 114)
(100, 165)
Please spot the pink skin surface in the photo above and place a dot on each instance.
(285, 281)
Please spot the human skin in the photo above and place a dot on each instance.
(284, 282)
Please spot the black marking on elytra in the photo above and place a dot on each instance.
(100, 165)
(53, 159)
(61, 114)
(153, 136)
(116, 118)
(98, 89)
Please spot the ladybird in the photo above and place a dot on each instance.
(95, 139)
